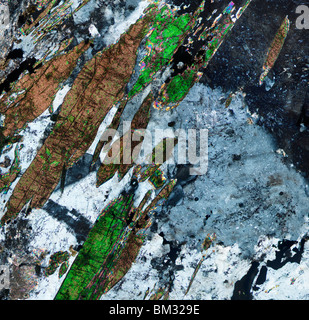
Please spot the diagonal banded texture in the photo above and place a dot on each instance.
(36, 91)
(99, 85)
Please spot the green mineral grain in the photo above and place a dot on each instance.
(101, 241)
(55, 260)
(179, 86)
(168, 31)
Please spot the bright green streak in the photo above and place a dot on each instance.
(165, 37)
(179, 86)
(107, 230)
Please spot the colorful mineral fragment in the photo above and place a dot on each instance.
(275, 48)
(99, 85)
(92, 210)
(55, 260)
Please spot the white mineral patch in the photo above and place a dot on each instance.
(52, 236)
(93, 31)
(216, 277)
(105, 123)
(129, 288)
(32, 139)
(4, 18)
(10, 154)
(288, 282)
(76, 4)
(5, 33)
(60, 95)
(28, 148)
(122, 23)
(83, 14)
(86, 198)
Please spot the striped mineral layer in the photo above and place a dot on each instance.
(74, 227)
